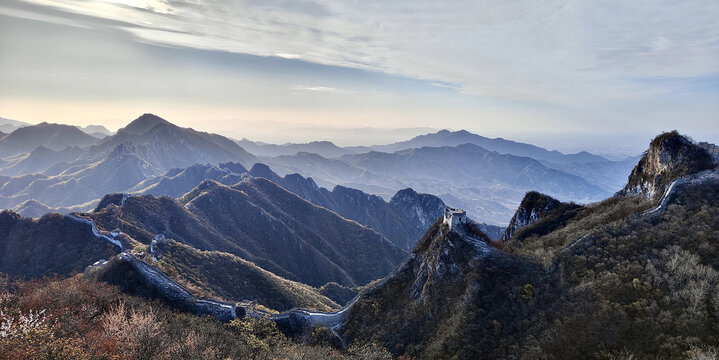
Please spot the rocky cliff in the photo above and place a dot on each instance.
(533, 206)
(670, 155)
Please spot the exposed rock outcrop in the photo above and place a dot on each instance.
(533, 206)
(670, 156)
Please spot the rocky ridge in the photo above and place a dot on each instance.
(670, 155)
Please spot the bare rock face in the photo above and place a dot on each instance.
(533, 206)
(670, 156)
(422, 209)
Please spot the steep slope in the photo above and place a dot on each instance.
(628, 277)
(53, 244)
(166, 146)
(451, 298)
(52, 136)
(633, 279)
(261, 222)
(361, 252)
(402, 220)
(670, 156)
(176, 182)
(536, 206)
(421, 210)
(229, 277)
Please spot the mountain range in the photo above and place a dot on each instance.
(630, 276)
(332, 165)
(610, 278)
(84, 168)
(498, 145)
(486, 183)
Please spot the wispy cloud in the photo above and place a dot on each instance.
(326, 89)
(570, 52)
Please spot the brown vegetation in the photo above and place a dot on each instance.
(77, 318)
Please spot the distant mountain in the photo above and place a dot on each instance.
(32, 208)
(261, 222)
(76, 175)
(500, 145)
(40, 160)
(97, 131)
(71, 176)
(472, 167)
(330, 172)
(35, 209)
(166, 146)
(78, 185)
(484, 182)
(51, 136)
(176, 182)
(323, 148)
(7, 125)
(609, 175)
(119, 170)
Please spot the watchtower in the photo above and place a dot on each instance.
(454, 217)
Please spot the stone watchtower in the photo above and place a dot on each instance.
(454, 217)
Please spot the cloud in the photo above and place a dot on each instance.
(566, 52)
(326, 89)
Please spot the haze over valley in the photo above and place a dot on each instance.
(313, 179)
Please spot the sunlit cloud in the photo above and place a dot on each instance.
(326, 89)
(501, 68)
(557, 51)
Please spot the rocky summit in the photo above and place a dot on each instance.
(670, 156)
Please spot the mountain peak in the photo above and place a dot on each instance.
(670, 156)
(407, 193)
(144, 123)
(234, 167)
(534, 205)
(263, 171)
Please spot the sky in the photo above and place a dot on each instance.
(604, 76)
